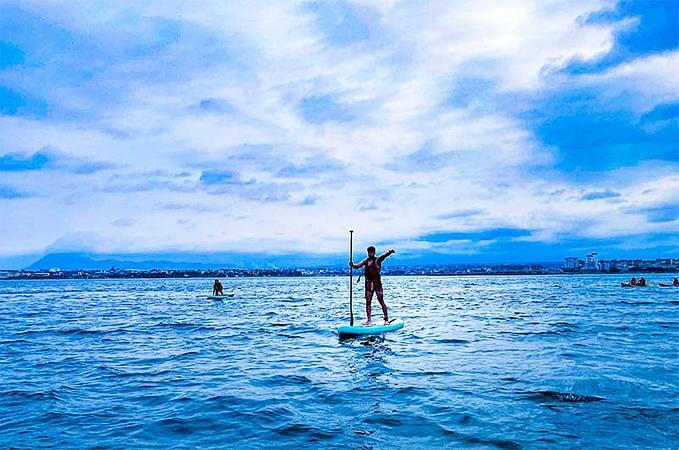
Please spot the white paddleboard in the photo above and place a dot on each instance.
(360, 330)
(219, 297)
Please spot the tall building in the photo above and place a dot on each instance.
(570, 263)
(591, 261)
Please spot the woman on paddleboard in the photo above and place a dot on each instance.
(373, 281)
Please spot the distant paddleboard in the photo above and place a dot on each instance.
(361, 330)
(219, 297)
(634, 285)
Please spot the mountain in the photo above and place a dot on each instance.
(205, 261)
(180, 261)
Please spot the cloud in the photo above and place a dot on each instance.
(460, 214)
(392, 115)
(599, 195)
(186, 206)
(308, 200)
(49, 159)
(214, 106)
(367, 205)
(9, 193)
(339, 22)
(485, 235)
(14, 162)
(14, 102)
(124, 222)
(323, 109)
(661, 214)
(312, 167)
(222, 177)
(652, 78)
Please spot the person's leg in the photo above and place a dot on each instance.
(368, 304)
(380, 298)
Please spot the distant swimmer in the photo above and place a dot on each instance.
(217, 289)
(373, 281)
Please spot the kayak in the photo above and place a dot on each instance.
(666, 285)
(361, 330)
(634, 285)
(219, 297)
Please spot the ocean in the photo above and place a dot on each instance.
(483, 362)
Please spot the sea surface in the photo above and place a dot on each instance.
(483, 362)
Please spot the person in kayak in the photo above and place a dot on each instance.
(217, 289)
(373, 281)
(641, 282)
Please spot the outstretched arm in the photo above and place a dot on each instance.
(359, 265)
(385, 255)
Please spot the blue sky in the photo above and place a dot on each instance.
(456, 131)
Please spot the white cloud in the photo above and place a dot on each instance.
(262, 61)
(646, 81)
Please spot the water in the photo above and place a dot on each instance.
(508, 362)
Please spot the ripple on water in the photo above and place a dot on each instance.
(489, 362)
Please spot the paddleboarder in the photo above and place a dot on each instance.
(373, 281)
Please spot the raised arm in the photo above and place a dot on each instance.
(385, 255)
(359, 265)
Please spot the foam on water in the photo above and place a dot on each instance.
(506, 362)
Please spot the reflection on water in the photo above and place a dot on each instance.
(508, 362)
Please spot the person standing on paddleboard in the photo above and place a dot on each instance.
(373, 281)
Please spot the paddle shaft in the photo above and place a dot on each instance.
(351, 277)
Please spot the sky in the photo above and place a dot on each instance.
(452, 131)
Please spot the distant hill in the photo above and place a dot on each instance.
(79, 261)
(68, 261)
(187, 261)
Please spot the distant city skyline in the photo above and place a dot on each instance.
(79, 261)
(452, 131)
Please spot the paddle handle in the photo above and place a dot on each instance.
(351, 277)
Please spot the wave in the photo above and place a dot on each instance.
(451, 341)
(299, 429)
(284, 380)
(563, 397)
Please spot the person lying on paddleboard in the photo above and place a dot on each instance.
(373, 281)
(217, 289)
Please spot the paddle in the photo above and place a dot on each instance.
(351, 277)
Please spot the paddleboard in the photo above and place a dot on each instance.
(630, 285)
(219, 297)
(359, 330)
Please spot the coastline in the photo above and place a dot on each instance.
(296, 273)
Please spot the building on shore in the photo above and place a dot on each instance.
(571, 263)
(592, 263)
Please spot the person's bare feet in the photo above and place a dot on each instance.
(367, 323)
